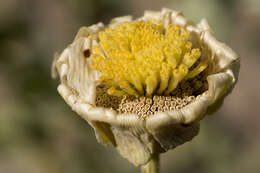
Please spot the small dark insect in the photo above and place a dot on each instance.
(86, 53)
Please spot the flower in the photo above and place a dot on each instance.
(145, 84)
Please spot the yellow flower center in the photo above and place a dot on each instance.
(144, 58)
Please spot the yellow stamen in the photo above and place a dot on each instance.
(178, 75)
(127, 88)
(197, 70)
(165, 76)
(151, 84)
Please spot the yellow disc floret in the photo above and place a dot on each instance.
(144, 58)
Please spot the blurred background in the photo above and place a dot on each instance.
(39, 133)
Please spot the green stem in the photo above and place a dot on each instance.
(152, 166)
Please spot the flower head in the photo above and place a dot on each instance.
(145, 84)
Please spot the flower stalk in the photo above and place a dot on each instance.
(153, 166)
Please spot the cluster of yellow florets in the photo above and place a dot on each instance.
(144, 58)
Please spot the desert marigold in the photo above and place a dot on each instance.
(145, 84)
